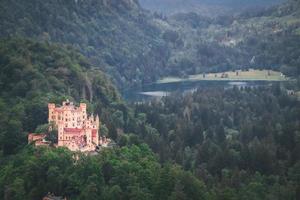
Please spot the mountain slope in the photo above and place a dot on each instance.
(116, 36)
(267, 38)
(124, 173)
(33, 74)
(233, 139)
(137, 48)
(203, 7)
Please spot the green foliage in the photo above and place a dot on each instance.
(258, 38)
(43, 128)
(241, 141)
(136, 47)
(235, 144)
(103, 130)
(117, 36)
(52, 136)
(15, 190)
(123, 173)
(50, 73)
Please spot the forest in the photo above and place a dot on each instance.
(239, 143)
(215, 143)
(231, 138)
(126, 173)
(136, 47)
(33, 74)
(262, 39)
(205, 7)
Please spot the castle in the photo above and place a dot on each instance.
(76, 130)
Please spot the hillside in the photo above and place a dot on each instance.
(203, 7)
(212, 144)
(169, 7)
(125, 173)
(265, 39)
(116, 36)
(36, 73)
(205, 142)
(243, 142)
(136, 47)
(33, 74)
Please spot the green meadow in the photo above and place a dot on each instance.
(239, 75)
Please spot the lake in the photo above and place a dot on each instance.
(158, 90)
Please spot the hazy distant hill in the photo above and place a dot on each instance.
(205, 7)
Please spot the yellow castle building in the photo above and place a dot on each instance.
(76, 130)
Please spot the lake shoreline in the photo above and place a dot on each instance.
(250, 75)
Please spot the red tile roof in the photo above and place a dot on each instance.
(34, 137)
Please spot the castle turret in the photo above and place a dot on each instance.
(51, 108)
(92, 117)
(83, 106)
(97, 121)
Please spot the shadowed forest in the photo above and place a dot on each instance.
(212, 143)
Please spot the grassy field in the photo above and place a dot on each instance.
(250, 75)
(298, 95)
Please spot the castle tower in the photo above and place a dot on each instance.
(51, 114)
(76, 130)
(97, 121)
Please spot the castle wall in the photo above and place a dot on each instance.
(76, 130)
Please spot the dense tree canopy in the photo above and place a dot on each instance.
(136, 47)
(230, 138)
(33, 74)
(212, 144)
(125, 173)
